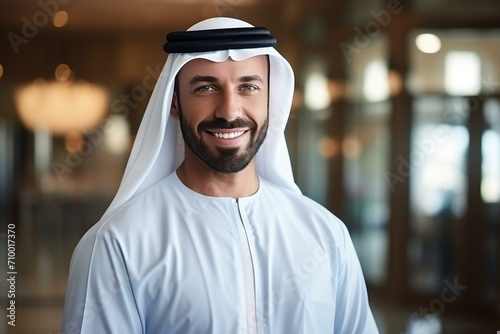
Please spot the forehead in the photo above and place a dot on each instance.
(257, 65)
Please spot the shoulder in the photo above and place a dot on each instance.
(136, 218)
(297, 201)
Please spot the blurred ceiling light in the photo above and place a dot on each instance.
(490, 189)
(61, 107)
(490, 184)
(462, 73)
(63, 72)
(60, 19)
(317, 95)
(376, 81)
(117, 136)
(428, 43)
(328, 147)
(352, 147)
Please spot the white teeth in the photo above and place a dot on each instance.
(228, 135)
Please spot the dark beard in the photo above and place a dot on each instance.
(225, 160)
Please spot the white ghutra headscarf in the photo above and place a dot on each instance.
(159, 148)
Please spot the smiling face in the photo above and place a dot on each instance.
(223, 111)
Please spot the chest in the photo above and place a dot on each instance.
(233, 269)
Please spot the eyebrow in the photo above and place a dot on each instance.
(202, 78)
(211, 79)
(250, 78)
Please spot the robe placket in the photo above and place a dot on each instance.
(250, 312)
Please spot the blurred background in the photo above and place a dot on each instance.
(395, 128)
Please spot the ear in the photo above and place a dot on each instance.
(174, 108)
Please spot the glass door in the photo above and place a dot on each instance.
(438, 189)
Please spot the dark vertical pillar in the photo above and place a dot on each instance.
(473, 230)
(336, 195)
(398, 177)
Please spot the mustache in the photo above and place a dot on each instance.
(220, 123)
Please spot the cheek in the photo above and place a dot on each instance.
(196, 111)
(258, 107)
(263, 114)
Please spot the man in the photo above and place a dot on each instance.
(208, 232)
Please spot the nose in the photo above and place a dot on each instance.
(229, 106)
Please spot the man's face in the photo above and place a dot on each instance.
(223, 110)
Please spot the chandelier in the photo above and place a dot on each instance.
(61, 106)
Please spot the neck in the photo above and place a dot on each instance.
(203, 180)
